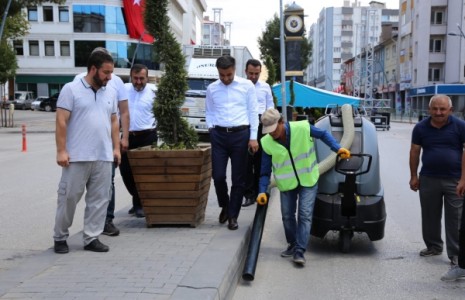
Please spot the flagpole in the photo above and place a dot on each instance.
(137, 47)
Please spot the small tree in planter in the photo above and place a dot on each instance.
(173, 180)
(173, 129)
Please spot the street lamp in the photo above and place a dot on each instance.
(456, 34)
(461, 35)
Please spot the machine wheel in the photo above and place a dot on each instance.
(345, 237)
(48, 107)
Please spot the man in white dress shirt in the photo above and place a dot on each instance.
(142, 127)
(253, 69)
(232, 120)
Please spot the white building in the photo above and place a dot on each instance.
(340, 34)
(432, 60)
(62, 36)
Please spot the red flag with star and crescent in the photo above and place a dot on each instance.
(134, 11)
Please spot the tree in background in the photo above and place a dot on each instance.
(16, 26)
(270, 46)
(271, 80)
(173, 129)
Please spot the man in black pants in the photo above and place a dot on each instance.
(142, 127)
(253, 68)
(232, 120)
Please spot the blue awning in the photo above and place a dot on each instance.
(307, 96)
(447, 89)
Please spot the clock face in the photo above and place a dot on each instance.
(294, 23)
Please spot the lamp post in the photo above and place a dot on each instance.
(461, 35)
(282, 61)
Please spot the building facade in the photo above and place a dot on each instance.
(342, 33)
(61, 37)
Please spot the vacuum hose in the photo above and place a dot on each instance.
(346, 141)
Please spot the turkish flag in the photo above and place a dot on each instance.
(134, 12)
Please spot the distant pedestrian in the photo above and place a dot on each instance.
(253, 69)
(442, 138)
(232, 120)
(117, 84)
(142, 128)
(87, 138)
(289, 151)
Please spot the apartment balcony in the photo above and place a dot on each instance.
(347, 44)
(437, 57)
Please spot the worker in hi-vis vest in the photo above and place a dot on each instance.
(289, 151)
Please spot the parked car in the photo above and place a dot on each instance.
(35, 105)
(22, 100)
(50, 104)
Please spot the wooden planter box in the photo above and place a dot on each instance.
(173, 184)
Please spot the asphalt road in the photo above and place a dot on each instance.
(387, 269)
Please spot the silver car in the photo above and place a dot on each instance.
(35, 105)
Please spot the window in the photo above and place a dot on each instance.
(18, 46)
(435, 45)
(63, 14)
(34, 48)
(434, 74)
(64, 48)
(49, 48)
(436, 17)
(48, 13)
(32, 14)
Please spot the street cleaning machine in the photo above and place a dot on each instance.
(350, 194)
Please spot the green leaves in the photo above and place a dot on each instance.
(173, 129)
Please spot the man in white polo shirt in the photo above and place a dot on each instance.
(87, 139)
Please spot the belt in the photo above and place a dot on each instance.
(142, 132)
(232, 129)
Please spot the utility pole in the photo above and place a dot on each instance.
(5, 15)
(283, 61)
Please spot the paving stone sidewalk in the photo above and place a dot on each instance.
(161, 262)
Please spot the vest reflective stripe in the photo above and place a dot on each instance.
(303, 154)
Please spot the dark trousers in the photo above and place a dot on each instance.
(461, 260)
(436, 194)
(225, 146)
(254, 164)
(135, 141)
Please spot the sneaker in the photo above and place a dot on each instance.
(61, 247)
(299, 258)
(289, 251)
(430, 252)
(110, 229)
(96, 246)
(453, 274)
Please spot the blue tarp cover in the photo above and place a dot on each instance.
(307, 96)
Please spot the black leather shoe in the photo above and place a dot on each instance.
(232, 224)
(61, 247)
(96, 246)
(139, 212)
(131, 211)
(248, 201)
(223, 215)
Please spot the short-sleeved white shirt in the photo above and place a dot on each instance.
(88, 136)
(141, 108)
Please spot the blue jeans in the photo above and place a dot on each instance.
(298, 231)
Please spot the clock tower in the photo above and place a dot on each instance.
(294, 30)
